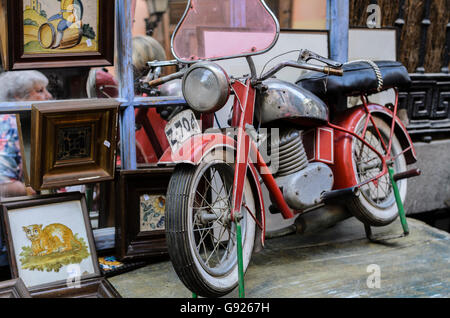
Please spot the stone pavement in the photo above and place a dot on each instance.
(333, 263)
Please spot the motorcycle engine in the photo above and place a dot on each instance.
(302, 183)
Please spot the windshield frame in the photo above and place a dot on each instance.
(225, 57)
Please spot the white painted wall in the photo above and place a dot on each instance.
(373, 44)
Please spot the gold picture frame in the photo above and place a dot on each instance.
(73, 143)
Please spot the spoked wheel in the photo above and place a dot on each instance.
(376, 206)
(201, 237)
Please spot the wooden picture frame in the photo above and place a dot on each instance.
(137, 191)
(97, 287)
(73, 143)
(14, 288)
(24, 140)
(50, 268)
(29, 33)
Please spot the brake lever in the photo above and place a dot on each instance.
(306, 55)
(163, 63)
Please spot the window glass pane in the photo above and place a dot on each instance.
(213, 29)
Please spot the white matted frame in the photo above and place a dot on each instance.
(37, 269)
(289, 42)
(364, 43)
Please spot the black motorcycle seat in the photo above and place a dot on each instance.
(359, 78)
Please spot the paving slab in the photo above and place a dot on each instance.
(337, 262)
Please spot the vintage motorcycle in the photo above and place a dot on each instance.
(300, 140)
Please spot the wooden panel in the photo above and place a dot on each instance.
(284, 12)
(411, 32)
(176, 9)
(3, 34)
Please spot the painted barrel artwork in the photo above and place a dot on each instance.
(48, 31)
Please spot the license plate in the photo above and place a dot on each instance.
(180, 128)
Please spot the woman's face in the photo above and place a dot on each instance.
(39, 92)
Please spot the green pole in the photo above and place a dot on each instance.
(398, 199)
(240, 260)
(194, 295)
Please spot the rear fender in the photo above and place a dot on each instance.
(193, 150)
(349, 120)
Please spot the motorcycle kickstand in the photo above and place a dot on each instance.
(239, 259)
(401, 211)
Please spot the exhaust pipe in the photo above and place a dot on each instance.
(313, 221)
(321, 219)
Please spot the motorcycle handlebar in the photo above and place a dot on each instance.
(316, 68)
(165, 79)
(322, 69)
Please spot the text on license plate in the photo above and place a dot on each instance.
(180, 128)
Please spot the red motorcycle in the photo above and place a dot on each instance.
(300, 139)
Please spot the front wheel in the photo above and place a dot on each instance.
(200, 235)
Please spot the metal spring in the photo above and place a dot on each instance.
(290, 155)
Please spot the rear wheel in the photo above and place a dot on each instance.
(200, 235)
(376, 205)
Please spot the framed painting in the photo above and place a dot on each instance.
(140, 230)
(56, 33)
(14, 288)
(51, 246)
(73, 143)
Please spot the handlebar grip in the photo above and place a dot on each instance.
(156, 82)
(165, 79)
(333, 71)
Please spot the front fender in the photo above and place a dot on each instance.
(343, 171)
(194, 149)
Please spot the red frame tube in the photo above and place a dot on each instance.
(243, 115)
(245, 95)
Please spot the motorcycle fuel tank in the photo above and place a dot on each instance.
(284, 100)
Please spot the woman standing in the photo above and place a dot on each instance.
(16, 86)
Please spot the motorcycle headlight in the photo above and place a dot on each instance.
(206, 87)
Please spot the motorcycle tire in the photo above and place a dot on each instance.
(200, 236)
(376, 205)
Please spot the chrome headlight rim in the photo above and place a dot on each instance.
(223, 84)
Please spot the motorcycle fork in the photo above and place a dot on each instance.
(243, 111)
